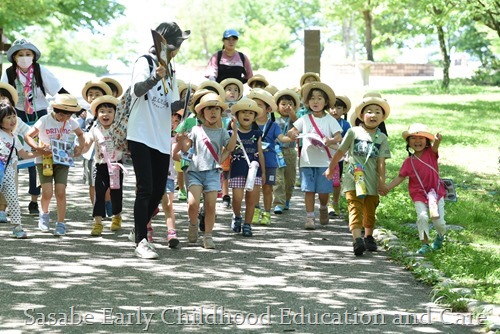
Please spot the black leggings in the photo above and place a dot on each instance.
(101, 176)
(151, 173)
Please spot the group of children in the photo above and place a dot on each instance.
(244, 143)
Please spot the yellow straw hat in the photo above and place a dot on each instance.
(382, 103)
(321, 86)
(309, 74)
(95, 84)
(246, 104)
(66, 102)
(257, 77)
(110, 81)
(210, 99)
(12, 91)
(231, 81)
(261, 94)
(291, 93)
(346, 100)
(103, 99)
(213, 86)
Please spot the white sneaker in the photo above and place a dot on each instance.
(145, 250)
(43, 222)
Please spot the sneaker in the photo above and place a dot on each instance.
(287, 205)
(331, 211)
(310, 223)
(438, 242)
(172, 239)
(201, 218)
(131, 235)
(236, 224)
(43, 222)
(18, 232)
(323, 216)
(145, 250)
(60, 229)
(370, 244)
(96, 230)
(3, 217)
(424, 249)
(266, 218)
(208, 241)
(182, 196)
(109, 209)
(358, 246)
(256, 216)
(149, 228)
(226, 202)
(192, 233)
(278, 210)
(246, 231)
(116, 223)
(33, 208)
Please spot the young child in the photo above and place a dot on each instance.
(114, 85)
(341, 108)
(249, 145)
(368, 148)
(271, 132)
(91, 91)
(211, 145)
(58, 124)
(167, 201)
(257, 81)
(104, 109)
(425, 187)
(10, 148)
(316, 154)
(288, 103)
(234, 92)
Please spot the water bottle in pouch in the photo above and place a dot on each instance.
(2, 172)
(279, 156)
(359, 180)
(114, 177)
(252, 174)
(47, 165)
(433, 207)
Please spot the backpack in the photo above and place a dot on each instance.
(118, 129)
(242, 56)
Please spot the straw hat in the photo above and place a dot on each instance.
(22, 44)
(213, 86)
(231, 81)
(246, 104)
(257, 77)
(346, 100)
(12, 91)
(372, 93)
(271, 89)
(291, 93)
(66, 102)
(196, 97)
(261, 94)
(209, 100)
(115, 83)
(95, 84)
(382, 103)
(321, 86)
(418, 130)
(103, 99)
(309, 74)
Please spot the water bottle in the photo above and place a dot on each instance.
(252, 174)
(336, 176)
(47, 165)
(279, 156)
(433, 207)
(359, 180)
(114, 177)
(2, 171)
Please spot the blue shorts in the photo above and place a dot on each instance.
(170, 188)
(209, 179)
(313, 180)
(271, 176)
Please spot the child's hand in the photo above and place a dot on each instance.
(438, 137)
(234, 125)
(328, 173)
(77, 151)
(292, 134)
(383, 189)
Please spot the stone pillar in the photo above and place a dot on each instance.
(312, 51)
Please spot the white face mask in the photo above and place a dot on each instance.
(24, 62)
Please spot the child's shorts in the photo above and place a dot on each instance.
(209, 179)
(239, 182)
(59, 174)
(88, 172)
(270, 176)
(313, 180)
(170, 187)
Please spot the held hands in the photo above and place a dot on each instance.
(77, 151)
(329, 173)
(383, 189)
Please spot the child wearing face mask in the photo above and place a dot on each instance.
(34, 82)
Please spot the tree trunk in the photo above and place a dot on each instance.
(367, 15)
(446, 58)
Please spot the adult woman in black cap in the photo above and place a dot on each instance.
(229, 63)
(148, 132)
(32, 82)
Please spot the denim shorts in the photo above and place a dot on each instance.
(170, 188)
(313, 180)
(209, 179)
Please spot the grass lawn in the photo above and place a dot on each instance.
(468, 119)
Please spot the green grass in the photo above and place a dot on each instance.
(467, 117)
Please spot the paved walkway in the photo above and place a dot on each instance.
(284, 279)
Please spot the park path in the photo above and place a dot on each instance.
(284, 279)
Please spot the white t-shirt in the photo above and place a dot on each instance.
(150, 119)
(48, 128)
(98, 133)
(311, 155)
(6, 140)
(50, 83)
